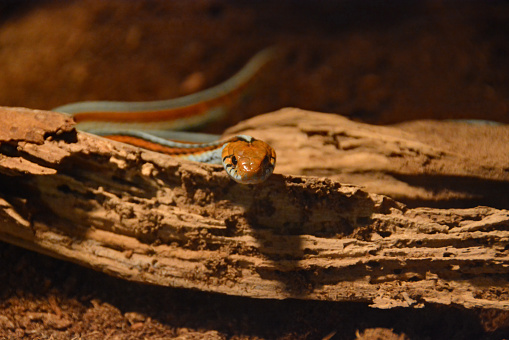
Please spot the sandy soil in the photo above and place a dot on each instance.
(377, 64)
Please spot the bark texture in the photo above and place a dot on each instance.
(147, 217)
(422, 163)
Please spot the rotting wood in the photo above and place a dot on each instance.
(146, 217)
(412, 163)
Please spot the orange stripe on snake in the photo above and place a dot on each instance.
(148, 125)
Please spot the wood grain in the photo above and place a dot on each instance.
(147, 217)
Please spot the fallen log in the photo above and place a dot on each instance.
(422, 163)
(150, 218)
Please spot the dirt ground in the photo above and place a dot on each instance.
(380, 64)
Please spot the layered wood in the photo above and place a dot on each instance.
(150, 218)
(422, 163)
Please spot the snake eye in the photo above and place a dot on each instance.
(234, 160)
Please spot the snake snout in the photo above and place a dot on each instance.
(249, 161)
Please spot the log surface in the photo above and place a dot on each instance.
(422, 163)
(147, 217)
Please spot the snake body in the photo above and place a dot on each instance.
(151, 125)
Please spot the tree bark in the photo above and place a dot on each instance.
(147, 217)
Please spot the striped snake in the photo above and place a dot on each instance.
(154, 125)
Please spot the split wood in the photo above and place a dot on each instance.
(150, 218)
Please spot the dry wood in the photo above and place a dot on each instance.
(440, 164)
(150, 218)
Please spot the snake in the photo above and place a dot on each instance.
(158, 125)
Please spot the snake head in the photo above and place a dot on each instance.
(248, 160)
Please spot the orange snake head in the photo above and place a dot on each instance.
(248, 160)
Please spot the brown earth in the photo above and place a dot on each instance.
(377, 64)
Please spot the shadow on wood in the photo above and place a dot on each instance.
(147, 217)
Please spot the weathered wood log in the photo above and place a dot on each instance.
(147, 217)
(440, 164)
